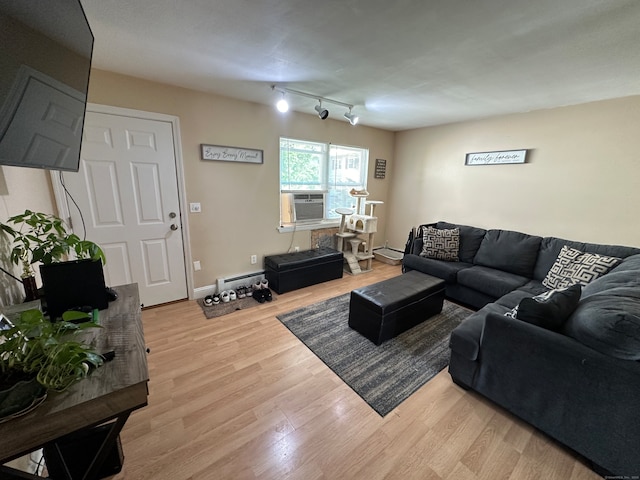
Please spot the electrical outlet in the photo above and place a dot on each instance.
(195, 207)
(196, 265)
(296, 249)
(254, 259)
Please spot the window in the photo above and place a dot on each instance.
(312, 167)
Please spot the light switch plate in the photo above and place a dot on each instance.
(195, 207)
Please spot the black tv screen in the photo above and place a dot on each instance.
(45, 58)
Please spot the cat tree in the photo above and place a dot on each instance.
(358, 229)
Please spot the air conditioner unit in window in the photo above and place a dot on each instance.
(302, 207)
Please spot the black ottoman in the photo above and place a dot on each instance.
(291, 271)
(385, 309)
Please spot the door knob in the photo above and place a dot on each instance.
(172, 215)
(174, 226)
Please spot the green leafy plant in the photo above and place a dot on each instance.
(42, 237)
(34, 346)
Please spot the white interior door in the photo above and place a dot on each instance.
(127, 190)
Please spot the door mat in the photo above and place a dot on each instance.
(212, 311)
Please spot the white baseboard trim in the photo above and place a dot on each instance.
(202, 292)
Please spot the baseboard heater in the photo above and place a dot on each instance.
(232, 283)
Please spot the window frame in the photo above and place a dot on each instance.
(326, 185)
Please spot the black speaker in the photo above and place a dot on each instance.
(79, 449)
(73, 284)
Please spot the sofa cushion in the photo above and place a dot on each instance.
(490, 281)
(470, 239)
(550, 248)
(447, 271)
(510, 251)
(627, 274)
(512, 299)
(550, 309)
(440, 244)
(533, 287)
(574, 266)
(609, 323)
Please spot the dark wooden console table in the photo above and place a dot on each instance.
(110, 394)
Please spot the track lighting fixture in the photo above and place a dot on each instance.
(323, 113)
(352, 117)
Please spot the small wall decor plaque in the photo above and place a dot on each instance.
(231, 154)
(496, 158)
(381, 168)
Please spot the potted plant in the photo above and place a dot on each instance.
(41, 237)
(37, 356)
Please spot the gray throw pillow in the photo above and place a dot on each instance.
(440, 244)
(551, 309)
(573, 266)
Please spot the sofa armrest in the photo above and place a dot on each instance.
(555, 383)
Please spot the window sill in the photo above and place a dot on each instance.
(299, 227)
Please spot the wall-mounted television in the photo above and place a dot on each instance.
(45, 59)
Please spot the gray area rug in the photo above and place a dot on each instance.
(384, 376)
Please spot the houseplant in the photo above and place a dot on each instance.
(41, 237)
(37, 356)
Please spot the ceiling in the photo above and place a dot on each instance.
(403, 63)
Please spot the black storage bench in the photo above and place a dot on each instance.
(291, 271)
(385, 309)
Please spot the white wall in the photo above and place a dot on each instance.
(20, 189)
(240, 201)
(581, 180)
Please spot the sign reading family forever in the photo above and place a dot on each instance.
(231, 154)
(496, 158)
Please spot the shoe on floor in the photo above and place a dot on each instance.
(258, 296)
(208, 300)
(267, 294)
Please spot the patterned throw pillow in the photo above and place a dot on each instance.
(441, 244)
(513, 313)
(573, 266)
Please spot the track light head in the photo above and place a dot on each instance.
(323, 113)
(352, 117)
(282, 105)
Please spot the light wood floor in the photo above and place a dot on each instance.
(240, 397)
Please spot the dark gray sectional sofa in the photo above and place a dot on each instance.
(578, 380)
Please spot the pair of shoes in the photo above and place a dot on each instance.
(262, 295)
(264, 283)
(208, 300)
(241, 292)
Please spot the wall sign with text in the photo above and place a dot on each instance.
(381, 168)
(496, 158)
(231, 154)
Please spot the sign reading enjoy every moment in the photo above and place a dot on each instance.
(231, 154)
(496, 158)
